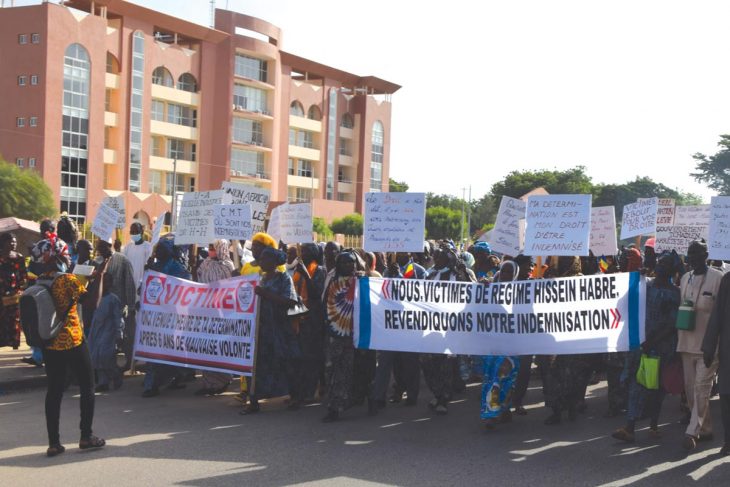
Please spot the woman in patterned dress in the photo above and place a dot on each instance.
(13, 278)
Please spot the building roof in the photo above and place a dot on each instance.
(159, 19)
(378, 85)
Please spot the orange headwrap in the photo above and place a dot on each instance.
(265, 239)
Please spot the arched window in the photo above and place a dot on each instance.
(75, 131)
(187, 82)
(296, 108)
(161, 76)
(314, 113)
(376, 157)
(347, 122)
(112, 64)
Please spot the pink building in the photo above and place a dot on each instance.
(108, 98)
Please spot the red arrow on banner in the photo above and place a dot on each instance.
(616, 318)
(384, 289)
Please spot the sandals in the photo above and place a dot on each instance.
(250, 409)
(91, 442)
(54, 450)
(624, 435)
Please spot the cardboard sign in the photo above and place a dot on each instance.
(508, 237)
(394, 222)
(232, 222)
(117, 203)
(83, 270)
(291, 223)
(678, 237)
(558, 224)
(195, 221)
(258, 198)
(158, 228)
(639, 218)
(105, 222)
(696, 215)
(665, 212)
(603, 231)
(719, 242)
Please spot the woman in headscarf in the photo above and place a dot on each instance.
(216, 267)
(340, 307)
(662, 303)
(68, 350)
(278, 352)
(309, 275)
(13, 278)
(500, 371)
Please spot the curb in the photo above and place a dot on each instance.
(24, 384)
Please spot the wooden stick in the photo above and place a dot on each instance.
(252, 389)
(236, 258)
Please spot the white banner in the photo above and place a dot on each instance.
(692, 215)
(195, 224)
(257, 197)
(394, 222)
(105, 222)
(558, 224)
(117, 203)
(719, 242)
(291, 223)
(201, 326)
(603, 231)
(590, 314)
(639, 218)
(678, 237)
(232, 222)
(508, 235)
(158, 228)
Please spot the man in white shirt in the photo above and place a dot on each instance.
(138, 252)
(700, 287)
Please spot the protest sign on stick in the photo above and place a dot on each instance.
(394, 222)
(116, 203)
(295, 223)
(232, 222)
(158, 228)
(105, 222)
(665, 212)
(693, 215)
(639, 218)
(719, 242)
(678, 237)
(603, 231)
(202, 326)
(258, 198)
(558, 224)
(507, 237)
(587, 314)
(195, 223)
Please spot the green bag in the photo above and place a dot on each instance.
(648, 373)
(686, 316)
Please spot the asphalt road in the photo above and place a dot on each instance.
(179, 439)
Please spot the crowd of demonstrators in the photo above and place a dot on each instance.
(309, 355)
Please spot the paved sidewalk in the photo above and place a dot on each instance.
(16, 375)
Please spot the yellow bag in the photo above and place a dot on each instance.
(648, 373)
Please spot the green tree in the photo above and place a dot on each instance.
(443, 223)
(348, 225)
(517, 183)
(620, 195)
(397, 186)
(715, 170)
(319, 225)
(444, 201)
(483, 212)
(24, 194)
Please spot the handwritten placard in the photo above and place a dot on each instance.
(83, 270)
(258, 198)
(158, 228)
(665, 212)
(105, 222)
(678, 237)
(232, 222)
(394, 222)
(639, 218)
(291, 223)
(603, 231)
(719, 242)
(506, 237)
(692, 215)
(117, 203)
(195, 223)
(558, 224)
